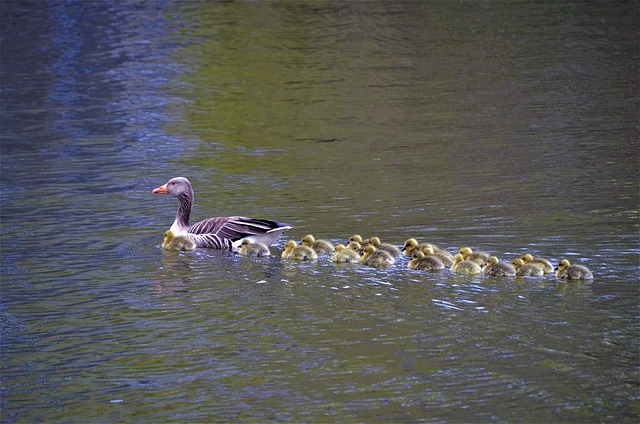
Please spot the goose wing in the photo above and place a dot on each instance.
(224, 232)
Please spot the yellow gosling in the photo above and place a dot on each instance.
(321, 247)
(460, 266)
(541, 262)
(298, 253)
(344, 255)
(445, 257)
(355, 246)
(254, 250)
(389, 248)
(498, 269)
(356, 238)
(177, 243)
(573, 272)
(526, 270)
(425, 263)
(376, 258)
(478, 257)
(411, 246)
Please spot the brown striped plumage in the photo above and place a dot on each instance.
(221, 232)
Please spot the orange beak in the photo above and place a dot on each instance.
(161, 190)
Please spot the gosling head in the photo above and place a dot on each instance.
(563, 264)
(526, 258)
(308, 240)
(410, 244)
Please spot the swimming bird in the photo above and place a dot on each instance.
(443, 255)
(355, 246)
(253, 249)
(298, 252)
(478, 257)
(389, 248)
(426, 263)
(461, 266)
(221, 232)
(526, 270)
(411, 245)
(344, 255)
(357, 238)
(498, 269)
(177, 243)
(321, 247)
(573, 272)
(376, 258)
(541, 262)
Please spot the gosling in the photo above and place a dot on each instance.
(526, 270)
(343, 255)
(498, 269)
(443, 255)
(253, 249)
(478, 257)
(389, 248)
(541, 262)
(376, 258)
(298, 253)
(321, 247)
(573, 272)
(461, 266)
(425, 263)
(177, 243)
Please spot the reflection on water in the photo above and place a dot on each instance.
(505, 127)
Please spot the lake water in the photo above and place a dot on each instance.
(510, 127)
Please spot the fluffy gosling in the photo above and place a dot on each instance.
(295, 252)
(573, 272)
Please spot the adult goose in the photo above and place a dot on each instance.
(217, 233)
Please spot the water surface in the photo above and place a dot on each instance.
(508, 127)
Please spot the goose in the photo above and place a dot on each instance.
(478, 257)
(298, 252)
(321, 247)
(376, 258)
(253, 249)
(541, 262)
(526, 270)
(498, 269)
(426, 263)
(177, 243)
(573, 272)
(389, 248)
(221, 232)
(343, 254)
(461, 266)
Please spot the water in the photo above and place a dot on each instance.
(508, 127)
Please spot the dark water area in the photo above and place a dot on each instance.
(510, 127)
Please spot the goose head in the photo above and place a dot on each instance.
(176, 186)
